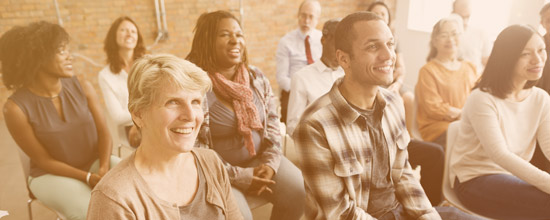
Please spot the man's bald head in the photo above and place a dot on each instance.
(308, 15)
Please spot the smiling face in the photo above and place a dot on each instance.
(230, 43)
(126, 35)
(62, 62)
(173, 120)
(448, 38)
(531, 61)
(373, 54)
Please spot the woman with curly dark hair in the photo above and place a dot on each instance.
(123, 45)
(243, 118)
(53, 118)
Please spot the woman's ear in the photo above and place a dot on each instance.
(137, 118)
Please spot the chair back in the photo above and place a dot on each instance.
(448, 192)
(26, 165)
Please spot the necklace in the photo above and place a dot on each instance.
(451, 65)
(53, 97)
(42, 94)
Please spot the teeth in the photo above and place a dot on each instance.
(386, 68)
(182, 130)
(234, 51)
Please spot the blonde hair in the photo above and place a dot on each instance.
(152, 72)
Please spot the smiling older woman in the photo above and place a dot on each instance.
(166, 178)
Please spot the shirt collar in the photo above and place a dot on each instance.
(302, 35)
(321, 67)
(346, 112)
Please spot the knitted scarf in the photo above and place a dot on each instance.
(239, 94)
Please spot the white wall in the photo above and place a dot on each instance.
(414, 44)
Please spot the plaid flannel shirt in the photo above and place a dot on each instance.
(336, 158)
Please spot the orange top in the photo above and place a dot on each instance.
(437, 89)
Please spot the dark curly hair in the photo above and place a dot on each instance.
(203, 49)
(111, 47)
(25, 50)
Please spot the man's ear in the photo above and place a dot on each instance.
(343, 59)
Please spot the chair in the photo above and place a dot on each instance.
(287, 145)
(26, 165)
(448, 192)
(118, 135)
(415, 133)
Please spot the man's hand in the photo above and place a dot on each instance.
(261, 180)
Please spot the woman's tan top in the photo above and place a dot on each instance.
(437, 89)
(124, 194)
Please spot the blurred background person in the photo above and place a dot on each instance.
(123, 45)
(314, 80)
(475, 46)
(444, 82)
(297, 49)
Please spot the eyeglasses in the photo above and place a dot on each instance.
(445, 35)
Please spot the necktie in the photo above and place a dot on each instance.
(308, 51)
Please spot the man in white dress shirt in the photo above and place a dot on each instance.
(298, 48)
(314, 80)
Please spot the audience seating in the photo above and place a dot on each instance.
(26, 165)
(448, 192)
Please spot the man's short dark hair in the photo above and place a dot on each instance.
(344, 31)
(329, 28)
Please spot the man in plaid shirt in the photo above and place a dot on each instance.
(352, 142)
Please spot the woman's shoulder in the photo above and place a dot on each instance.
(540, 95)
(119, 181)
(469, 66)
(106, 71)
(108, 75)
(429, 67)
(207, 155)
(479, 94)
(208, 159)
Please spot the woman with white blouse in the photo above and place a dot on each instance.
(123, 45)
(502, 120)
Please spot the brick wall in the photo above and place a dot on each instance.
(264, 21)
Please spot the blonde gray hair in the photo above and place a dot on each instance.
(437, 30)
(152, 72)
